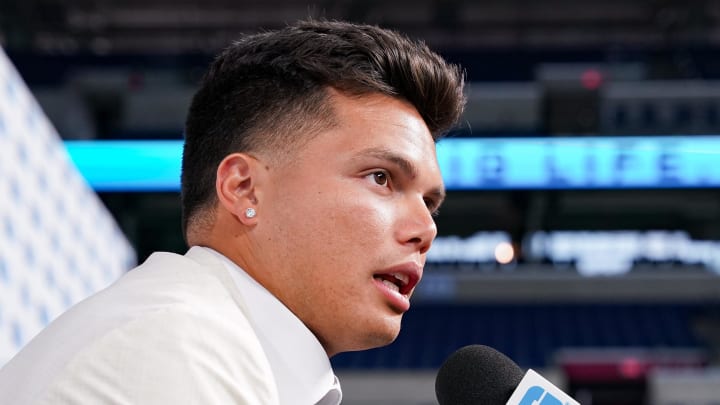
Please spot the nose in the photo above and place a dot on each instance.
(417, 227)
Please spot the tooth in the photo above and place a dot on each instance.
(402, 277)
(391, 285)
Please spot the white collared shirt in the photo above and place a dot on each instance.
(298, 361)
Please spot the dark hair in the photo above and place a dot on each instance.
(268, 91)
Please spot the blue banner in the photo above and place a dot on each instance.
(581, 162)
(128, 165)
(467, 163)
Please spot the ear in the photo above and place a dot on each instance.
(235, 185)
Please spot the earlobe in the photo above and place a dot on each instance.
(236, 186)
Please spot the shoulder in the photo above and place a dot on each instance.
(169, 331)
(171, 355)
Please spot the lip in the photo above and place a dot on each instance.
(400, 300)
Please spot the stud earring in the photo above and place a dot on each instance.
(250, 213)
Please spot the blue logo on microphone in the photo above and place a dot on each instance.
(534, 395)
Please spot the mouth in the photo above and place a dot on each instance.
(400, 279)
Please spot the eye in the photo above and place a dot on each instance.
(380, 178)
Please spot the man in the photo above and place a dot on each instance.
(309, 182)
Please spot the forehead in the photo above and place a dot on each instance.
(379, 122)
(367, 132)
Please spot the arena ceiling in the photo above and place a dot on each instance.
(107, 26)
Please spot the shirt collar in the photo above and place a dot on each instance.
(299, 363)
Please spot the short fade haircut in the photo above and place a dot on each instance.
(269, 92)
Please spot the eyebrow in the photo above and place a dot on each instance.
(408, 168)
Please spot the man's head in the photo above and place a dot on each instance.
(269, 92)
(326, 130)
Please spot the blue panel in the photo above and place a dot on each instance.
(467, 163)
(128, 165)
(581, 162)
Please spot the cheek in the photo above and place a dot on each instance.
(338, 222)
(361, 222)
(345, 227)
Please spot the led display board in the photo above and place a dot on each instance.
(467, 163)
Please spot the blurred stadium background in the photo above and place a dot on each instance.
(603, 275)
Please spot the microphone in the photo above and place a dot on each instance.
(480, 375)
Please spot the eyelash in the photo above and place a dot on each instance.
(429, 204)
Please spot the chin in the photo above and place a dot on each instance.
(366, 333)
(384, 333)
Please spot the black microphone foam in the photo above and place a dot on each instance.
(477, 375)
